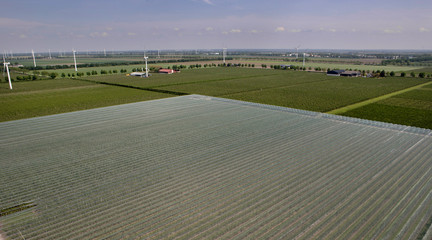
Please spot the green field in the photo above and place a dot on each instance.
(331, 65)
(45, 97)
(304, 90)
(413, 108)
(295, 89)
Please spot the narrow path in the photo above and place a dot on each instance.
(373, 100)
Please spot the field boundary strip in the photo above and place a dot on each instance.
(374, 100)
(135, 87)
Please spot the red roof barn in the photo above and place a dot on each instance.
(167, 71)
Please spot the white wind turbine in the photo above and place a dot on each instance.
(297, 48)
(304, 55)
(146, 69)
(4, 60)
(5, 64)
(34, 60)
(73, 51)
(224, 54)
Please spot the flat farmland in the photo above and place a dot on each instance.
(196, 167)
(297, 89)
(45, 97)
(413, 108)
(304, 90)
(331, 65)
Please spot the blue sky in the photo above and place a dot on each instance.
(210, 24)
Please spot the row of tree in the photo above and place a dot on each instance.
(87, 65)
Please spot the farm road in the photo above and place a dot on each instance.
(373, 100)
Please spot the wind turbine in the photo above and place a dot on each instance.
(5, 64)
(49, 52)
(297, 48)
(304, 55)
(146, 69)
(224, 54)
(73, 51)
(4, 60)
(34, 60)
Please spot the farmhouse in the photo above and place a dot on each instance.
(335, 72)
(350, 74)
(166, 71)
(343, 73)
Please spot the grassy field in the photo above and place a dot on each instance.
(413, 108)
(45, 97)
(331, 65)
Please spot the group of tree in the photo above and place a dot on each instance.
(422, 60)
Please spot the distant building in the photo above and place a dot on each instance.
(343, 73)
(286, 66)
(137, 74)
(335, 72)
(166, 71)
(350, 74)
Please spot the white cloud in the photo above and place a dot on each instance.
(209, 29)
(392, 31)
(332, 30)
(235, 31)
(422, 29)
(98, 34)
(22, 36)
(132, 34)
(17, 23)
(280, 29)
(208, 2)
(176, 29)
(254, 31)
(296, 30)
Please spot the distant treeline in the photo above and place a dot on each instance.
(88, 65)
(406, 61)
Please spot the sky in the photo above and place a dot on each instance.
(94, 25)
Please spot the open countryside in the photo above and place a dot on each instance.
(308, 90)
(216, 119)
